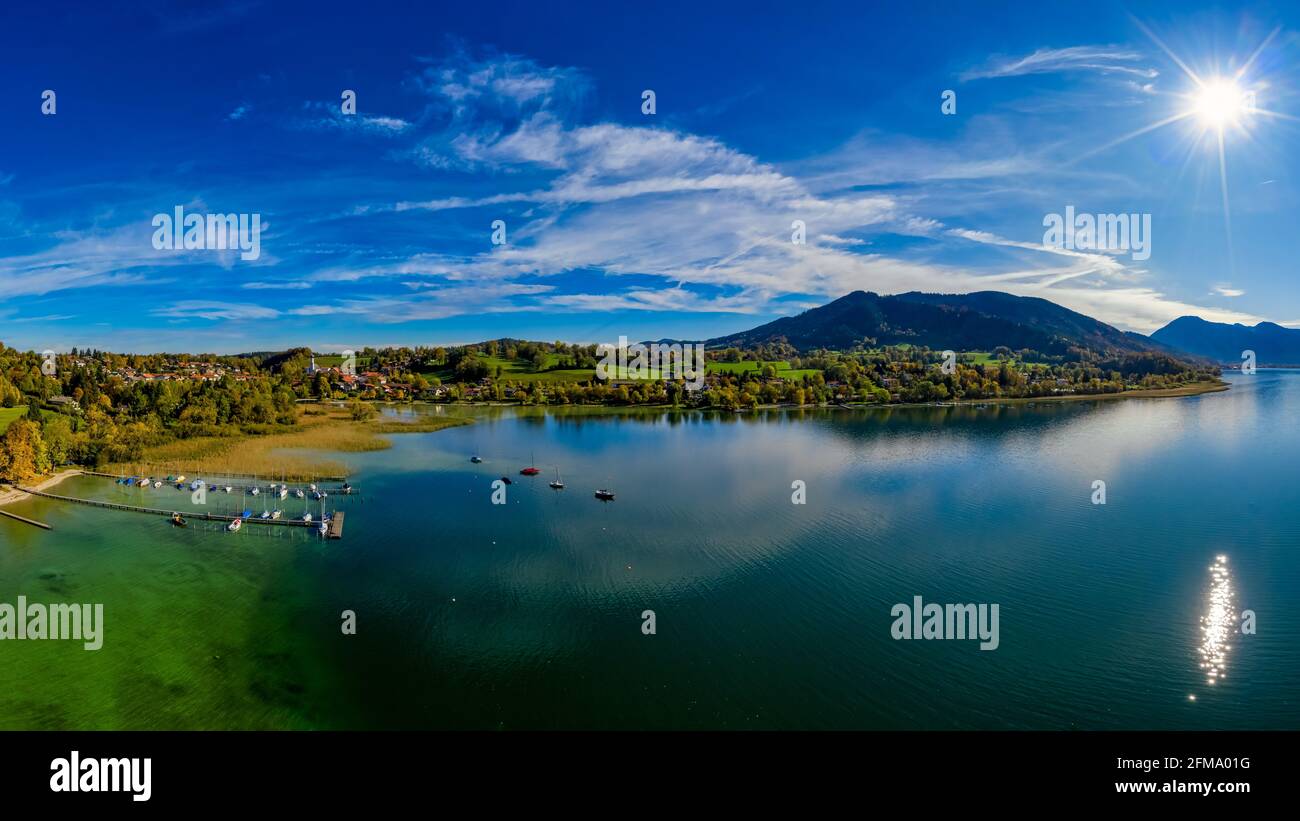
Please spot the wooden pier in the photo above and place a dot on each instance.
(44, 526)
(335, 531)
(178, 471)
(242, 489)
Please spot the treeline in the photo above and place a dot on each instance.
(116, 420)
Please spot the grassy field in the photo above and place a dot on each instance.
(783, 369)
(320, 429)
(8, 415)
(335, 360)
(982, 358)
(518, 370)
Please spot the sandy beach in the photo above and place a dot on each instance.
(9, 494)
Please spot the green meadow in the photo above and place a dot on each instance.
(8, 415)
(783, 369)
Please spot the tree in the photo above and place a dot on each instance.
(360, 411)
(22, 452)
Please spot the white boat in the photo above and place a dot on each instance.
(235, 525)
(313, 487)
(144, 483)
(266, 514)
(284, 491)
(324, 529)
(228, 489)
(306, 517)
(255, 491)
(275, 514)
(298, 492)
(157, 484)
(180, 479)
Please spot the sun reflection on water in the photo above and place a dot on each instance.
(1217, 623)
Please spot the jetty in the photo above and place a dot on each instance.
(188, 471)
(43, 525)
(332, 491)
(335, 531)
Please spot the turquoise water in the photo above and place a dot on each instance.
(768, 614)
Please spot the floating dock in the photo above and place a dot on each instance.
(332, 491)
(335, 531)
(174, 471)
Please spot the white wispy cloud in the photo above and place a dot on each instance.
(212, 310)
(1105, 59)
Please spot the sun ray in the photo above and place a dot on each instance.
(1227, 214)
(1186, 68)
(1138, 133)
(1241, 72)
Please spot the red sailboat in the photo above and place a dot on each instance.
(531, 470)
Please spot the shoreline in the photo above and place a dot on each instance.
(1195, 389)
(12, 494)
(374, 430)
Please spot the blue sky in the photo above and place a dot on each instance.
(377, 226)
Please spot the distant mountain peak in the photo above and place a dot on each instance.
(977, 321)
(1273, 344)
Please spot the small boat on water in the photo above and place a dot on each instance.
(144, 483)
(196, 484)
(235, 525)
(605, 495)
(212, 489)
(284, 491)
(157, 484)
(228, 489)
(266, 514)
(507, 480)
(324, 529)
(298, 492)
(255, 491)
(347, 489)
(476, 459)
(179, 521)
(558, 484)
(531, 470)
(306, 517)
(180, 478)
(275, 514)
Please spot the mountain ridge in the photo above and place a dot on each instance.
(981, 320)
(1222, 342)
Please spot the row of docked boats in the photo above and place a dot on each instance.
(604, 494)
(282, 490)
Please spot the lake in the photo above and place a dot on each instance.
(768, 614)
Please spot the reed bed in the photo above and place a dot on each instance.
(265, 455)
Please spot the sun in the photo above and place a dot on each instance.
(1220, 103)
